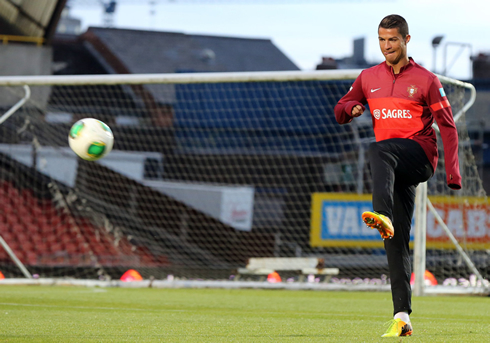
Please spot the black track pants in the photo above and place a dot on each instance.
(397, 166)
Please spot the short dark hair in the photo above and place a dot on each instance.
(393, 21)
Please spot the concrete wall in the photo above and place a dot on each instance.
(24, 59)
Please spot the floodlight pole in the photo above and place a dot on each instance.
(436, 41)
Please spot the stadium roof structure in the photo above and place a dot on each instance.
(126, 51)
(30, 18)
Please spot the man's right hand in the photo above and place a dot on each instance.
(357, 111)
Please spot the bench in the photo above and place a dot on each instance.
(263, 266)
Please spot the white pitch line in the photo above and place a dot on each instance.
(90, 307)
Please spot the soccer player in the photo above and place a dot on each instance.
(404, 99)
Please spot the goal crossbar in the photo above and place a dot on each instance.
(179, 78)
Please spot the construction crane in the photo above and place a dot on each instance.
(109, 7)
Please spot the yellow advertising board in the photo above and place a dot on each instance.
(336, 222)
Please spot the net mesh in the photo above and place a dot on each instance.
(204, 176)
(464, 211)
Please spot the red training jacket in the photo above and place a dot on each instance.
(404, 105)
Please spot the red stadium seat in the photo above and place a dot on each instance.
(4, 227)
(13, 193)
(55, 221)
(28, 246)
(56, 246)
(9, 237)
(3, 254)
(18, 231)
(31, 258)
(71, 248)
(11, 218)
(7, 208)
(42, 247)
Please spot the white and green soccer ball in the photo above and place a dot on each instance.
(90, 139)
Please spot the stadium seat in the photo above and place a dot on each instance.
(55, 221)
(3, 255)
(19, 232)
(11, 218)
(71, 248)
(8, 237)
(56, 246)
(41, 247)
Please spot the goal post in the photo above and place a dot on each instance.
(423, 203)
(209, 170)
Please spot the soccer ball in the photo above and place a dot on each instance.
(90, 139)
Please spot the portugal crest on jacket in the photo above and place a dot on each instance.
(411, 91)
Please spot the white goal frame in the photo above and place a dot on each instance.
(422, 202)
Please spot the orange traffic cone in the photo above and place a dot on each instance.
(429, 279)
(131, 275)
(2, 276)
(274, 277)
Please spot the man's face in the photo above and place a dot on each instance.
(392, 45)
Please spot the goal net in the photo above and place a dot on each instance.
(207, 171)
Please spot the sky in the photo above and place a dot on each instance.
(308, 30)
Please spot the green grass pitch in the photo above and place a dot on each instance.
(78, 314)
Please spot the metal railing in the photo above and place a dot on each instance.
(25, 39)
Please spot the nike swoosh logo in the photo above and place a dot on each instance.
(374, 90)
